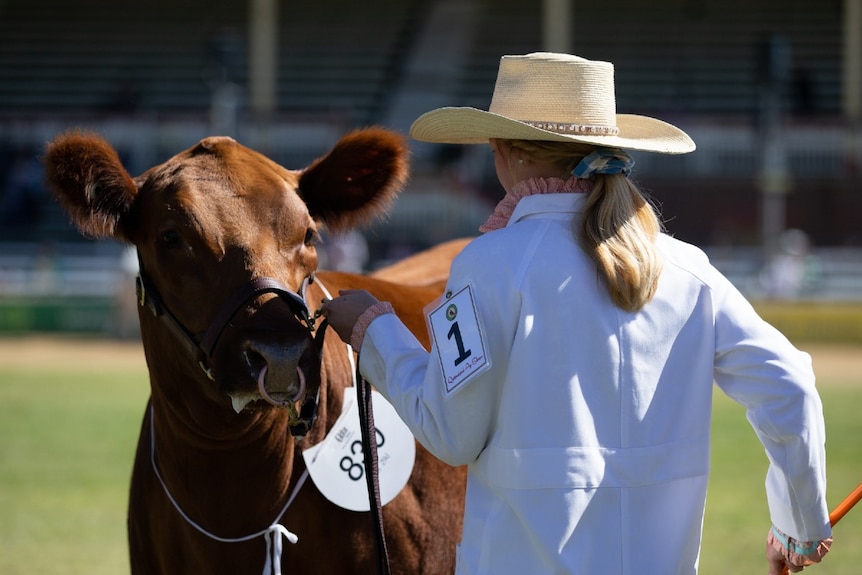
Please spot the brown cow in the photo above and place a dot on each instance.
(206, 224)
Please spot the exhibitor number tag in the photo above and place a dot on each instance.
(459, 339)
(337, 464)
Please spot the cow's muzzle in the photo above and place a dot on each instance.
(203, 347)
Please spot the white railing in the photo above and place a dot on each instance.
(829, 274)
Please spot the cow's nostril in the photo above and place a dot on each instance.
(254, 360)
(255, 363)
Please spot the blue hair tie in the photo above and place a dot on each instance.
(604, 161)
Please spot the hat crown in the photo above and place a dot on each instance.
(561, 88)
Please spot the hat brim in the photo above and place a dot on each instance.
(474, 126)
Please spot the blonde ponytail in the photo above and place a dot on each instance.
(618, 229)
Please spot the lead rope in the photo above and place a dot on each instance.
(372, 476)
(272, 534)
(369, 448)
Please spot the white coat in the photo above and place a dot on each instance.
(587, 440)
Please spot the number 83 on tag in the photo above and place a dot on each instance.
(459, 339)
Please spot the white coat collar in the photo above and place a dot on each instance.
(555, 206)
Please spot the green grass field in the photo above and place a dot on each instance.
(70, 415)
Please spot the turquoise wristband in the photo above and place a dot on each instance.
(793, 546)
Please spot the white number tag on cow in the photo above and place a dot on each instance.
(458, 336)
(336, 464)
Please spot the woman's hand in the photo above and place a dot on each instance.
(343, 311)
(777, 564)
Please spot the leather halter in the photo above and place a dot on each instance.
(202, 347)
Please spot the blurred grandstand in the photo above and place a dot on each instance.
(771, 91)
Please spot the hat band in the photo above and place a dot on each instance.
(580, 129)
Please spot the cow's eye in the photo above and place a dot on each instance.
(310, 237)
(171, 238)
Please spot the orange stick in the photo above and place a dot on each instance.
(846, 505)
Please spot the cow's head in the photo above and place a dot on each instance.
(210, 220)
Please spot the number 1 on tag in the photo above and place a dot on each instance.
(455, 332)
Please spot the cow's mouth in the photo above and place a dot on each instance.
(241, 401)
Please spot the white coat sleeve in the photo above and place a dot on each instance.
(454, 426)
(760, 369)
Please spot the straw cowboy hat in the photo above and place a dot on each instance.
(552, 97)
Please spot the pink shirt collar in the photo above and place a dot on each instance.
(531, 187)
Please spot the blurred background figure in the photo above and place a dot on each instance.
(347, 252)
(125, 324)
(793, 271)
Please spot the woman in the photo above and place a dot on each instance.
(576, 346)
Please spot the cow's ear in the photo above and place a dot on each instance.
(85, 175)
(357, 180)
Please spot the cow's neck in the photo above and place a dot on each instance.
(249, 456)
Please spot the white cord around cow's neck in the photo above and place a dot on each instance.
(272, 534)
